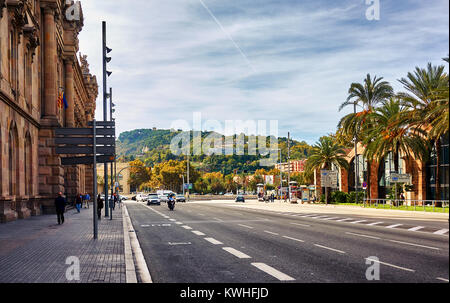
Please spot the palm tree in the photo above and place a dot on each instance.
(324, 154)
(427, 101)
(367, 95)
(390, 133)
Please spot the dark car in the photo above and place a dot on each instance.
(180, 198)
(240, 198)
(153, 200)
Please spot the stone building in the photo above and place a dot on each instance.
(38, 61)
(297, 166)
(123, 178)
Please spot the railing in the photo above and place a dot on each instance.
(417, 205)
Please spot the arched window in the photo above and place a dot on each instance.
(28, 166)
(386, 168)
(13, 162)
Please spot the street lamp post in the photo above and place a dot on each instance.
(289, 165)
(356, 158)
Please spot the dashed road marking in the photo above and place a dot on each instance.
(218, 219)
(416, 228)
(298, 224)
(373, 224)
(329, 248)
(365, 236)
(391, 265)
(343, 220)
(186, 227)
(332, 218)
(412, 244)
(394, 226)
(441, 232)
(356, 222)
(236, 253)
(245, 226)
(294, 239)
(213, 241)
(179, 223)
(442, 279)
(173, 220)
(273, 272)
(198, 233)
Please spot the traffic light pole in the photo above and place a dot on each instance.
(112, 175)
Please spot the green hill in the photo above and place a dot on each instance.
(153, 146)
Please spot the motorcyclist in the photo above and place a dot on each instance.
(171, 202)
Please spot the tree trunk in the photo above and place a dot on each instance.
(438, 162)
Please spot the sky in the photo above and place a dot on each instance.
(290, 61)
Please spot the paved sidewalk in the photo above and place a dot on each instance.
(35, 250)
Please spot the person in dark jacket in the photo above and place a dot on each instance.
(78, 202)
(60, 205)
(99, 206)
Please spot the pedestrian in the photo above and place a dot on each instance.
(87, 198)
(60, 205)
(78, 202)
(115, 201)
(99, 206)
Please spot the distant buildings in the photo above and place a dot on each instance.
(297, 166)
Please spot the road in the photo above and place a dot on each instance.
(225, 242)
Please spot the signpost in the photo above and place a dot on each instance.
(91, 145)
(328, 179)
(400, 178)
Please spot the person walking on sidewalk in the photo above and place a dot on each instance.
(60, 205)
(99, 206)
(78, 202)
(87, 198)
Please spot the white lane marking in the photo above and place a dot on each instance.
(180, 243)
(394, 226)
(236, 253)
(356, 222)
(319, 217)
(245, 226)
(365, 236)
(442, 279)
(329, 248)
(412, 244)
(145, 225)
(198, 233)
(309, 216)
(273, 272)
(173, 220)
(332, 218)
(373, 224)
(218, 219)
(416, 228)
(213, 241)
(305, 225)
(179, 223)
(186, 227)
(391, 265)
(441, 232)
(269, 232)
(294, 239)
(343, 220)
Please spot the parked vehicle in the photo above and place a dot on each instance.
(163, 198)
(141, 197)
(240, 198)
(180, 198)
(153, 199)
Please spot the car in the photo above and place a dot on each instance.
(153, 199)
(240, 198)
(163, 198)
(180, 198)
(141, 197)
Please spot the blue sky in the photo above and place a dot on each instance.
(291, 61)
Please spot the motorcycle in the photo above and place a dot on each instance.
(171, 204)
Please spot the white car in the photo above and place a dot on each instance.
(141, 197)
(163, 198)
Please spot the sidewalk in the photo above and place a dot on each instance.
(35, 250)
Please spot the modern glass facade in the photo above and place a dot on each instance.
(431, 169)
(386, 168)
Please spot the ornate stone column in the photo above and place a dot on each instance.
(50, 68)
(69, 90)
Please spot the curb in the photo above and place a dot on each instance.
(132, 247)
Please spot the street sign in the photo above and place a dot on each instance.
(400, 178)
(84, 131)
(84, 141)
(329, 178)
(88, 150)
(364, 185)
(86, 160)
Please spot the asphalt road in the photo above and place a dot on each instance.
(225, 243)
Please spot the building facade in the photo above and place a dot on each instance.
(297, 166)
(377, 175)
(38, 62)
(123, 178)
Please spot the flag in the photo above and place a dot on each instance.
(60, 100)
(65, 101)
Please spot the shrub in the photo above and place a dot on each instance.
(352, 197)
(339, 197)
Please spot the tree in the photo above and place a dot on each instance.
(139, 174)
(426, 99)
(325, 153)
